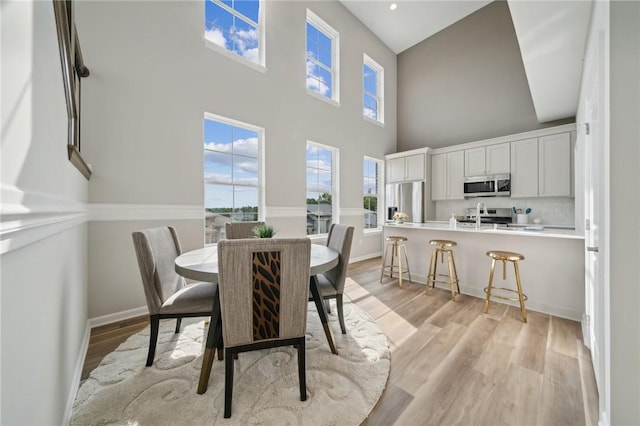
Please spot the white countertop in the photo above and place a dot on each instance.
(488, 229)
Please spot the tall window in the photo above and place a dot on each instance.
(235, 25)
(322, 58)
(373, 90)
(231, 174)
(370, 173)
(321, 166)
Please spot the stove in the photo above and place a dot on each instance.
(493, 215)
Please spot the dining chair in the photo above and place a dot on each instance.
(167, 293)
(331, 283)
(264, 288)
(235, 230)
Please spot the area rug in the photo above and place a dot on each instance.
(341, 389)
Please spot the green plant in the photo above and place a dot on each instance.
(264, 231)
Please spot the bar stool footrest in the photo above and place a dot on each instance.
(497, 296)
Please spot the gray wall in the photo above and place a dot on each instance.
(465, 83)
(624, 205)
(43, 296)
(152, 81)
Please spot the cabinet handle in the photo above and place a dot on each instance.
(593, 249)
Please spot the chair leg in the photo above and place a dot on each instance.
(327, 305)
(406, 262)
(486, 302)
(302, 370)
(520, 296)
(452, 275)
(384, 261)
(178, 324)
(228, 381)
(339, 305)
(455, 271)
(154, 320)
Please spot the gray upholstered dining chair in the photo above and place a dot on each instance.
(167, 293)
(264, 288)
(235, 230)
(331, 283)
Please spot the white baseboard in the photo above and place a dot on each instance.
(118, 316)
(365, 257)
(77, 375)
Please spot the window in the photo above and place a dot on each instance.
(321, 199)
(322, 58)
(370, 173)
(373, 90)
(232, 183)
(235, 25)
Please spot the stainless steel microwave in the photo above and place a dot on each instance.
(487, 186)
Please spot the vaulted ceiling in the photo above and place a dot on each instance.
(551, 34)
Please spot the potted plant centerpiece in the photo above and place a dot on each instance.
(264, 231)
(400, 217)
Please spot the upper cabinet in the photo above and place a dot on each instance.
(487, 160)
(447, 176)
(406, 168)
(542, 167)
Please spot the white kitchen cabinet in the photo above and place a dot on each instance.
(487, 160)
(524, 168)
(447, 176)
(554, 165)
(407, 168)
(541, 167)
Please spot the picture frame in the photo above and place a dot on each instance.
(73, 70)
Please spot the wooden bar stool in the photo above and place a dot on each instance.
(505, 256)
(443, 247)
(395, 244)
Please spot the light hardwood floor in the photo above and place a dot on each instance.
(452, 364)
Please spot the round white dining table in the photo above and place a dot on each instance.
(202, 265)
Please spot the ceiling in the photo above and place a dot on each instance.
(552, 37)
(412, 21)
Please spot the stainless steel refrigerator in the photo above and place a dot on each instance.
(407, 198)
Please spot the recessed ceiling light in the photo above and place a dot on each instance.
(393, 6)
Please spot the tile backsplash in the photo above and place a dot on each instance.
(553, 211)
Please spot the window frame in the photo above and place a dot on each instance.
(379, 69)
(334, 35)
(379, 195)
(260, 26)
(335, 192)
(260, 160)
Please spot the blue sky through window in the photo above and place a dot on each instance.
(234, 27)
(319, 61)
(230, 166)
(370, 101)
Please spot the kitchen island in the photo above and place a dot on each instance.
(552, 272)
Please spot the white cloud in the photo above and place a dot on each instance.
(314, 81)
(251, 54)
(215, 35)
(248, 147)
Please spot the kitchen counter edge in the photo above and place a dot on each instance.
(515, 231)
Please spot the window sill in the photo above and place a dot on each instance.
(257, 67)
(316, 95)
(376, 122)
(372, 231)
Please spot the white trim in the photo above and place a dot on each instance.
(123, 212)
(77, 376)
(260, 25)
(321, 25)
(232, 55)
(118, 316)
(379, 69)
(365, 257)
(372, 121)
(28, 217)
(320, 97)
(285, 212)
